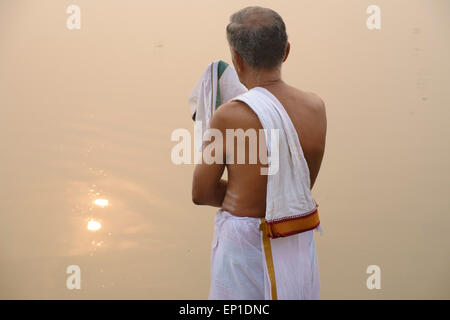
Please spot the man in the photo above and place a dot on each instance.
(258, 43)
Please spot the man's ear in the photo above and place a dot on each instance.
(238, 61)
(286, 54)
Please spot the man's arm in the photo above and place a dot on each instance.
(207, 186)
(321, 126)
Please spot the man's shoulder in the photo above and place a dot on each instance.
(234, 114)
(316, 101)
(228, 108)
(310, 100)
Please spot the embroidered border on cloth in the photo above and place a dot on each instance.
(292, 225)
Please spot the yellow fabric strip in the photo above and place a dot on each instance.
(269, 259)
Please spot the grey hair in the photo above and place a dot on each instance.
(259, 36)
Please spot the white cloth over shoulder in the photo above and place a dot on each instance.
(288, 182)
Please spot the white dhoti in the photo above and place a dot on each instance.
(246, 264)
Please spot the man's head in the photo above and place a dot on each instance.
(258, 39)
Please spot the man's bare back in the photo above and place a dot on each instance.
(246, 189)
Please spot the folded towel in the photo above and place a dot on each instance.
(218, 84)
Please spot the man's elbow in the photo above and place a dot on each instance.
(198, 197)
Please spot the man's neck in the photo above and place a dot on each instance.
(263, 78)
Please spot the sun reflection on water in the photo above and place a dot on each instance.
(94, 225)
(101, 202)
